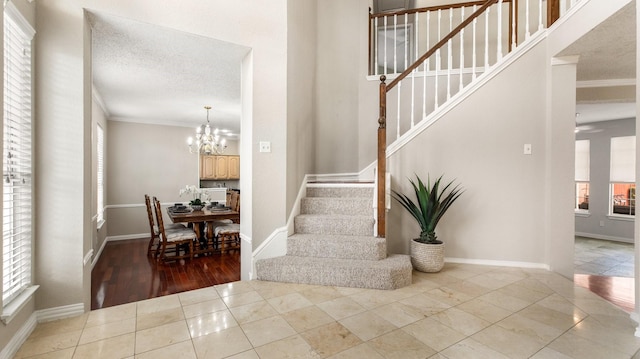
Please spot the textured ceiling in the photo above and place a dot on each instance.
(150, 74)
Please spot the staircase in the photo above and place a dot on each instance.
(333, 244)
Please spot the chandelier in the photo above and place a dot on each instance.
(207, 142)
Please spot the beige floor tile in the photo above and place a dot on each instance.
(58, 354)
(221, 344)
(48, 344)
(111, 314)
(198, 295)
(161, 336)
(236, 300)
(372, 298)
(562, 305)
(205, 307)
(116, 348)
(358, 352)
(367, 325)
(461, 321)
(521, 292)
(109, 330)
(60, 326)
(321, 294)
(550, 317)
(249, 354)
(225, 290)
(535, 330)
(289, 302)
(400, 345)
(610, 335)
(307, 318)
(182, 350)
(346, 291)
(513, 345)
(252, 312)
(158, 304)
(448, 296)
(293, 347)
(267, 330)
(548, 353)
(581, 348)
(598, 306)
(470, 348)
(505, 301)
(330, 339)
(146, 321)
(341, 308)
(433, 333)
(484, 310)
(425, 305)
(399, 314)
(210, 323)
(268, 292)
(471, 289)
(536, 285)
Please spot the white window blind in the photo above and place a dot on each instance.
(582, 160)
(100, 173)
(17, 171)
(623, 159)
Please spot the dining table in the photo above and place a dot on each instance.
(205, 216)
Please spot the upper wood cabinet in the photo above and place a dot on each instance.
(219, 167)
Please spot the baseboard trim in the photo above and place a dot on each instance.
(21, 336)
(65, 311)
(495, 263)
(605, 237)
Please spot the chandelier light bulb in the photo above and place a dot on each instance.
(190, 141)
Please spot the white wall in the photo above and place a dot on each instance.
(97, 118)
(600, 143)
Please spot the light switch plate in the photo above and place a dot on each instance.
(527, 148)
(265, 146)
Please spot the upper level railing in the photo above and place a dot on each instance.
(431, 54)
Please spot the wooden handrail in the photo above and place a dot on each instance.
(440, 43)
(430, 8)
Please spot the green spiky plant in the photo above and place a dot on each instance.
(432, 203)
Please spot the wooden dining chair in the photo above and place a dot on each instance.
(153, 229)
(173, 239)
(227, 236)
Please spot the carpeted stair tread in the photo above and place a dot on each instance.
(334, 224)
(335, 205)
(341, 192)
(337, 246)
(390, 273)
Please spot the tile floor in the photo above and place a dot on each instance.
(601, 257)
(465, 311)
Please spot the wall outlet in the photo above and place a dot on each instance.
(601, 223)
(527, 148)
(265, 146)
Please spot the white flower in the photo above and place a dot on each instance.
(197, 193)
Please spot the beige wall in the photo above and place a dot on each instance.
(301, 63)
(145, 159)
(98, 236)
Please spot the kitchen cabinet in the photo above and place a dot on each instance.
(219, 167)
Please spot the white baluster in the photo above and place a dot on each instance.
(499, 49)
(395, 44)
(438, 62)
(398, 110)
(486, 40)
(449, 55)
(428, 31)
(473, 42)
(426, 69)
(406, 42)
(526, 17)
(461, 50)
(540, 24)
(514, 20)
(413, 96)
(385, 45)
(375, 46)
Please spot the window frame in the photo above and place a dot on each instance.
(100, 183)
(624, 176)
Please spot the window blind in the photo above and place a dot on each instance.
(17, 148)
(100, 173)
(582, 160)
(623, 159)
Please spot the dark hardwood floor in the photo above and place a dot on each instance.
(617, 290)
(124, 273)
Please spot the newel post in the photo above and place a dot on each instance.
(382, 158)
(553, 12)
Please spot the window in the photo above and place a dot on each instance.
(100, 175)
(623, 176)
(17, 171)
(582, 175)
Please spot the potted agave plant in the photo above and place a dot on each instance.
(432, 202)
